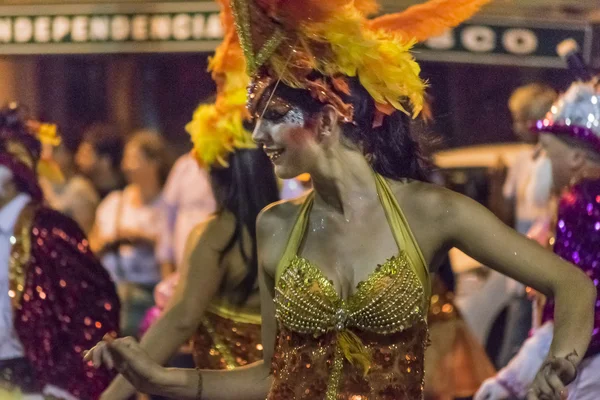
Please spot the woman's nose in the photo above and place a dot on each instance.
(260, 134)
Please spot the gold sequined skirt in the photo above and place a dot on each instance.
(303, 364)
(221, 343)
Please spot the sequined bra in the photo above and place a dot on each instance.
(370, 345)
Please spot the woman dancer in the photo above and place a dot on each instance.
(339, 321)
(217, 296)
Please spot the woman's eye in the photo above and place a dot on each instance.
(273, 114)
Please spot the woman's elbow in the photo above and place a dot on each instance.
(580, 288)
(589, 291)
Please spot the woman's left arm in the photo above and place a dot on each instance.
(476, 231)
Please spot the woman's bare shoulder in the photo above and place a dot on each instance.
(425, 199)
(274, 226)
(281, 212)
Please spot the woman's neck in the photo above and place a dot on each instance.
(344, 182)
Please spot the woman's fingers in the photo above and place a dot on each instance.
(532, 394)
(107, 359)
(544, 389)
(557, 386)
(97, 354)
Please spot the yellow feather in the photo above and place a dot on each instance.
(382, 61)
(354, 350)
(216, 130)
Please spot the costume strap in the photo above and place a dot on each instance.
(296, 236)
(241, 315)
(402, 233)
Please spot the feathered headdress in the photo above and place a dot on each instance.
(22, 142)
(289, 40)
(218, 129)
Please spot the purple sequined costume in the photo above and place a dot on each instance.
(64, 301)
(578, 241)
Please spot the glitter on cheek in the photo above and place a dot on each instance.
(294, 116)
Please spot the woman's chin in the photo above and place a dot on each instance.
(285, 172)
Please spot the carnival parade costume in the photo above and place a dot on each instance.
(229, 335)
(62, 299)
(371, 344)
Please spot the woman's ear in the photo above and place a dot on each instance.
(329, 129)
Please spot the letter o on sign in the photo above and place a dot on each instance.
(520, 41)
(480, 39)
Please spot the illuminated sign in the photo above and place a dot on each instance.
(508, 42)
(194, 26)
(158, 27)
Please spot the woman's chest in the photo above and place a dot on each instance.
(348, 253)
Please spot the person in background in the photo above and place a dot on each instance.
(217, 300)
(570, 136)
(75, 196)
(55, 296)
(130, 222)
(527, 104)
(188, 200)
(99, 157)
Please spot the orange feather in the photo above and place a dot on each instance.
(427, 20)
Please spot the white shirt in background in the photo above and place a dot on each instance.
(521, 176)
(118, 217)
(10, 345)
(188, 200)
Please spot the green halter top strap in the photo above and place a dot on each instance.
(399, 226)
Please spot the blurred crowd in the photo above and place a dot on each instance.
(138, 204)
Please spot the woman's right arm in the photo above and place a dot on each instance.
(250, 382)
(199, 282)
(246, 383)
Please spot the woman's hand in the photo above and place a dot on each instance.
(551, 381)
(129, 359)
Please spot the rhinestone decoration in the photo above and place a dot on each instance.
(386, 313)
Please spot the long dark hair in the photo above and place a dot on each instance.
(391, 149)
(244, 188)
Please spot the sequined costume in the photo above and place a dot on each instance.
(228, 337)
(575, 116)
(578, 240)
(62, 301)
(371, 344)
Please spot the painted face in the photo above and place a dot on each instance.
(560, 156)
(288, 136)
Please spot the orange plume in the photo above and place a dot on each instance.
(295, 13)
(427, 20)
